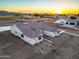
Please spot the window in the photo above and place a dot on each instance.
(62, 22)
(40, 37)
(72, 23)
(59, 32)
(15, 32)
(22, 35)
(66, 22)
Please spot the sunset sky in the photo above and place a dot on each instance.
(41, 6)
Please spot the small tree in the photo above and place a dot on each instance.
(36, 14)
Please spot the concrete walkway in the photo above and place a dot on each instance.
(4, 28)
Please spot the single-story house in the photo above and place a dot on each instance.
(33, 32)
(28, 33)
(66, 22)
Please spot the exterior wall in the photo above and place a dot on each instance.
(69, 25)
(27, 39)
(51, 34)
(32, 41)
(37, 40)
(16, 31)
(61, 31)
(61, 21)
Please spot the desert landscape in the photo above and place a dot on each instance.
(65, 46)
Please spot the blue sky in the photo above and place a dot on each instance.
(36, 3)
(39, 4)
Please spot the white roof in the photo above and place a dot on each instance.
(59, 21)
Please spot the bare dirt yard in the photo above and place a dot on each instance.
(64, 47)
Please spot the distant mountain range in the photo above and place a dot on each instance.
(6, 13)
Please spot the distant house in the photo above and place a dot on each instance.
(33, 32)
(66, 22)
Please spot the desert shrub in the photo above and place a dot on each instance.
(72, 17)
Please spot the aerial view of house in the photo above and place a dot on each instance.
(39, 29)
(33, 32)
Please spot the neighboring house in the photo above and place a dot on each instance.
(33, 32)
(67, 22)
(27, 33)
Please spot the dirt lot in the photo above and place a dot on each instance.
(64, 47)
(67, 47)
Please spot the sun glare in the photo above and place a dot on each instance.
(58, 12)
